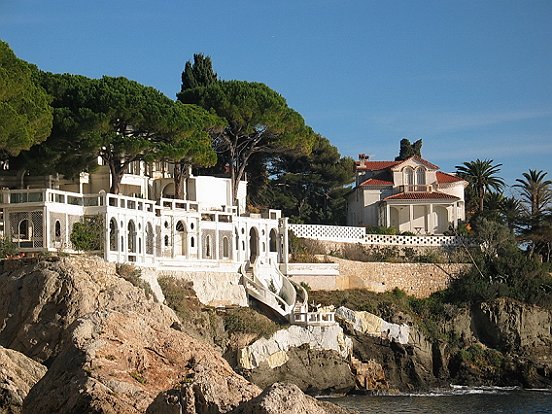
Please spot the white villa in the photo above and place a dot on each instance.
(145, 225)
(410, 195)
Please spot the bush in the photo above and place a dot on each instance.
(305, 250)
(7, 248)
(88, 235)
(381, 230)
(248, 321)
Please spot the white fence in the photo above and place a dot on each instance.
(349, 234)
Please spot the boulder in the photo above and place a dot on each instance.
(18, 374)
(281, 398)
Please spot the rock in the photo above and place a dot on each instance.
(109, 348)
(203, 393)
(370, 324)
(273, 350)
(18, 374)
(287, 399)
(369, 375)
(314, 371)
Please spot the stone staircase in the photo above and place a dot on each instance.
(265, 283)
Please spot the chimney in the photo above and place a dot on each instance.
(362, 160)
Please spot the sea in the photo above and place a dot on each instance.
(458, 400)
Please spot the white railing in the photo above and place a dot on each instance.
(350, 234)
(314, 318)
(328, 233)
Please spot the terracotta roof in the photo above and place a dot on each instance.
(382, 165)
(426, 163)
(375, 165)
(434, 195)
(444, 178)
(375, 182)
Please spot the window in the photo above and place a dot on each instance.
(25, 230)
(208, 246)
(421, 176)
(149, 238)
(57, 230)
(273, 241)
(113, 234)
(225, 247)
(408, 176)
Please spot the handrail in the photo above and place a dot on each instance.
(267, 293)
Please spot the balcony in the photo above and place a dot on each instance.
(415, 188)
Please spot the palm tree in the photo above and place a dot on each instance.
(481, 176)
(536, 192)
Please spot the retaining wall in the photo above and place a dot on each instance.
(416, 279)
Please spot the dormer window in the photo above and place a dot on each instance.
(420, 176)
(408, 176)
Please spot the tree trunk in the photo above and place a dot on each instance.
(117, 172)
(177, 176)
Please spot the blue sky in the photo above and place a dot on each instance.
(473, 79)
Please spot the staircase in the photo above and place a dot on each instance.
(265, 283)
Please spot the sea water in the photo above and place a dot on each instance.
(459, 400)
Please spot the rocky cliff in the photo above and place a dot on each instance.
(503, 343)
(107, 346)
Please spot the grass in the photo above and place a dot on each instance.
(248, 321)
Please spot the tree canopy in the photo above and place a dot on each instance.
(25, 113)
(258, 120)
(482, 177)
(409, 149)
(199, 73)
(309, 188)
(122, 121)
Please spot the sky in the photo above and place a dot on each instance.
(473, 79)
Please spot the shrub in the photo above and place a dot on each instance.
(248, 321)
(7, 248)
(88, 235)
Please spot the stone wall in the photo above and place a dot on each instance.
(416, 279)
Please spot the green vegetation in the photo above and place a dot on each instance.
(25, 113)
(7, 248)
(88, 235)
(248, 321)
(409, 149)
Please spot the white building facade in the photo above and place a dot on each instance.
(410, 195)
(144, 224)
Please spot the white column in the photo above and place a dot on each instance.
(455, 214)
(410, 216)
(387, 215)
(285, 252)
(430, 223)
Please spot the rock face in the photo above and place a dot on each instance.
(313, 371)
(18, 374)
(108, 347)
(502, 342)
(287, 399)
(314, 358)
(370, 324)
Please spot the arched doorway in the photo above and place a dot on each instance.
(181, 242)
(273, 241)
(253, 244)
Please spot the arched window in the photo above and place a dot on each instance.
(273, 244)
(225, 253)
(408, 176)
(131, 237)
(420, 176)
(192, 241)
(113, 234)
(57, 230)
(149, 238)
(25, 230)
(166, 241)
